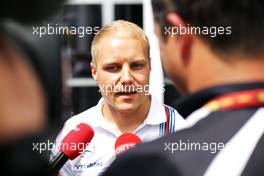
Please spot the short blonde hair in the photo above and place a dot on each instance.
(120, 28)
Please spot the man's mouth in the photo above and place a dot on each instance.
(126, 93)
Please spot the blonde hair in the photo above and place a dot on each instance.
(120, 28)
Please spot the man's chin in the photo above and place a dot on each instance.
(127, 108)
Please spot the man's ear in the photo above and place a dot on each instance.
(183, 39)
(93, 71)
(150, 67)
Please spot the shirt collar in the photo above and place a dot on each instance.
(99, 120)
(156, 114)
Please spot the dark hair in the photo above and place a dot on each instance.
(245, 17)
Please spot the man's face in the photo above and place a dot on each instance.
(122, 71)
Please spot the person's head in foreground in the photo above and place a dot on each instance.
(23, 102)
(210, 43)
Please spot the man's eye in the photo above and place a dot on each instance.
(137, 65)
(112, 68)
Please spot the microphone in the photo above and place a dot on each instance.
(72, 146)
(125, 142)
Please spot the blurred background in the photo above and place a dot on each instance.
(79, 89)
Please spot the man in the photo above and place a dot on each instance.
(214, 52)
(121, 68)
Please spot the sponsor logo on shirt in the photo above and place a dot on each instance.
(86, 166)
(88, 152)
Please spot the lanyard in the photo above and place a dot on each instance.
(237, 100)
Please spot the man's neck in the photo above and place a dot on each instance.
(126, 121)
(209, 69)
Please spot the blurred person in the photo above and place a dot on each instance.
(222, 79)
(22, 114)
(23, 104)
(25, 87)
(121, 67)
(29, 101)
(26, 116)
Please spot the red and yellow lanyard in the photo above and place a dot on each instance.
(236, 100)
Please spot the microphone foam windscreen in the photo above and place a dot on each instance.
(76, 140)
(125, 142)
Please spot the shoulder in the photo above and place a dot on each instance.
(159, 157)
(87, 117)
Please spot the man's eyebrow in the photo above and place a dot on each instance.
(132, 61)
(139, 61)
(109, 63)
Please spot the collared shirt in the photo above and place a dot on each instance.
(100, 152)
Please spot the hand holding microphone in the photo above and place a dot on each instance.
(69, 147)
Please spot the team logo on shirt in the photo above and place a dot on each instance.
(88, 152)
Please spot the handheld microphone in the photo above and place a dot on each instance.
(70, 146)
(125, 142)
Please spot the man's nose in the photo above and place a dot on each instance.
(126, 75)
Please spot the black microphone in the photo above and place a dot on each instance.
(70, 146)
